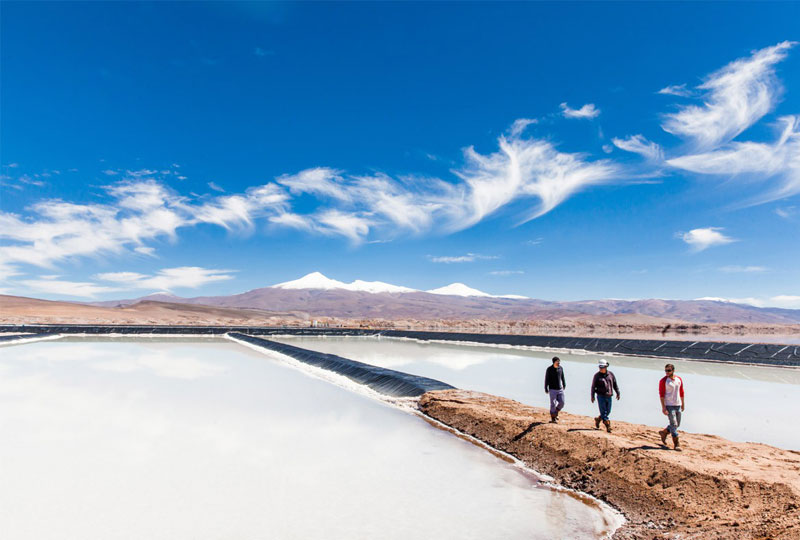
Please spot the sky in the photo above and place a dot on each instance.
(560, 151)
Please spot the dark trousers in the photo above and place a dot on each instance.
(604, 402)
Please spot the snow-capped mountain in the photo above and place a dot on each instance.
(316, 280)
(458, 289)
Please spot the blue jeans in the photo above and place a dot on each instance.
(556, 401)
(674, 415)
(604, 402)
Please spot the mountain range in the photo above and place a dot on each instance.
(320, 296)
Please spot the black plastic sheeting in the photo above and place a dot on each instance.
(385, 381)
(18, 337)
(749, 353)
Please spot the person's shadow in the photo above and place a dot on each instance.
(527, 430)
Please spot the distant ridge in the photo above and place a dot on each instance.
(320, 296)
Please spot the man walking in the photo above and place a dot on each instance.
(555, 384)
(604, 384)
(670, 388)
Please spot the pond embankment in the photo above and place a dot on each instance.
(714, 489)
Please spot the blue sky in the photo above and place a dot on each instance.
(560, 151)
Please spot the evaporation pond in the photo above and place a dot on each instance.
(738, 402)
(207, 439)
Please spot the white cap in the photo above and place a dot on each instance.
(603, 363)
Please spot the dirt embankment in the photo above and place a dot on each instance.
(714, 489)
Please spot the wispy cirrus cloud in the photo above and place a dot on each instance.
(167, 279)
(702, 239)
(520, 124)
(76, 289)
(737, 269)
(734, 98)
(777, 163)
(506, 272)
(676, 90)
(469, 257)
(638, 144)
(784, 301)
(139, 210)
(588, 111)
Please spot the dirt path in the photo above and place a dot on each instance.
(714, 489)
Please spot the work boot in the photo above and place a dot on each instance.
(607, 423)
(663, 434)
(676, 443)
(554, 418)
(597, 422)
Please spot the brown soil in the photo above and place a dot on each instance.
(714, 489)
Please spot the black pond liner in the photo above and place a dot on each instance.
(20, 337)
(749, 353)
(382, 380)
(736, 352)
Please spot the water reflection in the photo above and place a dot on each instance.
(143, 438)
(744, 403)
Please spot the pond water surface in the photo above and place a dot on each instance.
(207, 439)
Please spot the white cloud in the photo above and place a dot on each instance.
(520, 124)
(77, 289)
(146, 250)
(784, 301)
(167, 279)
(731, 269)
(215, 187)
(640, 145)
(506, 272)
(777, 162)
(607, 148)
(676, 90)
(734, 98)
(109, 172)
(700, 239)
(139, 211)
(523, 168)
(317, 181)
(788, 301)
(587, 111)
(349, 225)
(787, 212)
(469, 257)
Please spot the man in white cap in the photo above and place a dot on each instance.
(604, 384)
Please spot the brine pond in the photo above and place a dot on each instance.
(170, 438)
(738, 402)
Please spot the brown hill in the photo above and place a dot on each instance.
(20, 310)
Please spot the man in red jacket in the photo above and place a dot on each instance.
(670, 388)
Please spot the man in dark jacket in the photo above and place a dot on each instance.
(555, 384)
(604, 384)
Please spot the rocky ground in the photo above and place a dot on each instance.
(714, 489)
